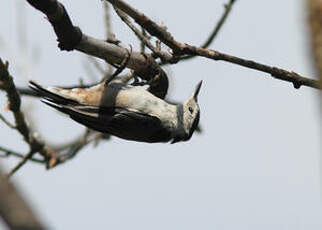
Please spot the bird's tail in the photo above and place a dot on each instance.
(48, 95)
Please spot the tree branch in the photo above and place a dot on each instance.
(71, 37)
(52, 157)
(9, 152)
(181, 49)
(276, 72)
(7, 122)
(21, 126)
(158, 53)
(24, 160)
(73, 148)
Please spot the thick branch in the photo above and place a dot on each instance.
(15, 212)
(71, 37)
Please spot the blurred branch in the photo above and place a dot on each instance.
(107, 17)
(109, 35)
(27, 157)
(97, 65)
(52, 157)
(142, 45)
(180, 49)
(14, 210)
(35, 145)
(7, 122)
(73, 148)
(9, 152)
(315, 20)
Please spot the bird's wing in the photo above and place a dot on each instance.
(124, 123)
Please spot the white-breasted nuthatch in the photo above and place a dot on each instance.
(125, 111)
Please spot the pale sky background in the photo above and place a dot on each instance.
(255, 166)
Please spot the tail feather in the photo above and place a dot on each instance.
(50, 96)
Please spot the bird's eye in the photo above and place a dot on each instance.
(190, 110)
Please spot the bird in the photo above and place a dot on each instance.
(125, 111)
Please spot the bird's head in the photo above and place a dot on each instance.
(191, 112)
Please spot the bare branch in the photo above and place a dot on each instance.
(97, 65)
(120, 68)
(107, 17)
(153, 28)
(24, 160)
(20, 124)
(181, 49)
(108, 28)
(88, 137)
(9, 152)
(219, 24)
(142, 45)
(275, 72)
(7, 122)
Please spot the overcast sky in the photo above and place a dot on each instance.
(256, 164)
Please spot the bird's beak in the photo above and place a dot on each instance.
(195, 94)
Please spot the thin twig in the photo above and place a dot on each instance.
(9, 152)
(89, 71)
(97, 65)
(107, 20)
(120, 68)
(163, 55)
(217, 28)
(108, 28)
(21, 163)
(275, 72)
(88, 137)
(6, 122)
(142, 44)
(150, 26)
